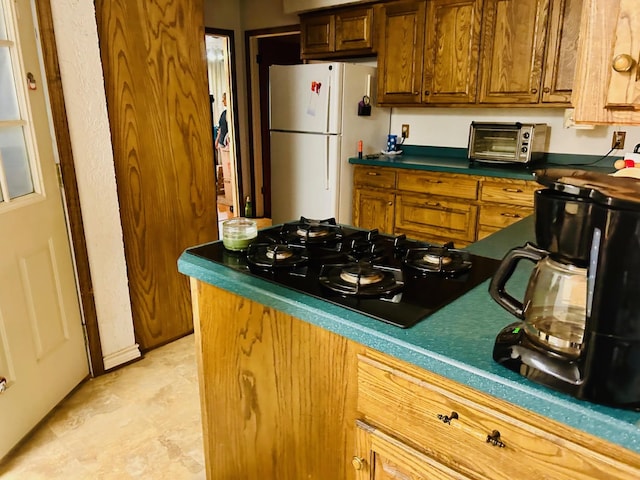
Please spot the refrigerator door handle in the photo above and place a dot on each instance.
(327, 159)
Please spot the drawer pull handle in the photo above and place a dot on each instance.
(373, 174)
(448, 418)
(433, 181)
(494, 439)
(432, 204)
(513, 190)
(510, 215)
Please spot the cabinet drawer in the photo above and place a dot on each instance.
(514, 192)
(458, 186)
(500, 216)
(459, 427)
(436, 216)
(374, 177)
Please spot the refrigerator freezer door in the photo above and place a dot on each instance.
(304, 170)
(306, 98)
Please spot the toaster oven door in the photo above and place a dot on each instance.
(495, 144)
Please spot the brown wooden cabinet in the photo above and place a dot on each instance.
(415, 424)
(438, 207)
(560, 56)
(292, 400)
(341, 32)
(513, 43)
(451, 51)
(607, 87)
(374, 198)
(503, 202)
(400, 52)
(526, 55)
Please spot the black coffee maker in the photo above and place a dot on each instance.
(579, 328)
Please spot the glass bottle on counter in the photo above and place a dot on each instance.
(248, 208)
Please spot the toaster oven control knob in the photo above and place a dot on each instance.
(526, 134)
(524, 149)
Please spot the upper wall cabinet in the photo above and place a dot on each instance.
(513, 50)
(400, 52)
(608, 77)
(526, 54)
(451, 51)
(341, 33)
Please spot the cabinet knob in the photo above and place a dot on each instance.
(448, 418)
(427, 92)
(494, 439)
(546, 89)
(623, 63)
(390, 203)
(357, 462)
(534, 90)
(3, 384)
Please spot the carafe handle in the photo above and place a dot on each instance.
(509, 263)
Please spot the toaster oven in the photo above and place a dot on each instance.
(521, 143)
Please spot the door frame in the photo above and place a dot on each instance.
(234, 109)
(253, 94)
(71, 201)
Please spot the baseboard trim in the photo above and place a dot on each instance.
(122, 356)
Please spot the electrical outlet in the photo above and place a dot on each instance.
(617, 142)
(405, 130)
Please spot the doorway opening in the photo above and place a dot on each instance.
(222, 97)
(276, 46)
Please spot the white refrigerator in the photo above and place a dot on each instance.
(315, 128)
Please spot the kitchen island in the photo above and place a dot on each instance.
(294, 387)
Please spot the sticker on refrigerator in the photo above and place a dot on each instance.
(313, 98)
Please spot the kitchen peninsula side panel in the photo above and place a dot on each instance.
(278, 395)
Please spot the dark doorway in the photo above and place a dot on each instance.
(280, 46)
(284, 50)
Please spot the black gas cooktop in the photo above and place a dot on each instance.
(393, 279)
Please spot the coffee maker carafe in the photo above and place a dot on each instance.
(579, 328)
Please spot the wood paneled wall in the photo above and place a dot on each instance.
(154, 63)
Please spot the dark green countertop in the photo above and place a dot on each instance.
(455, 342)
(454, 160)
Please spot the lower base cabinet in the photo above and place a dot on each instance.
(282, 398)
(438, 207)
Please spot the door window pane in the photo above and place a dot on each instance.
(15, 161)
(3, 28)
(8, 97)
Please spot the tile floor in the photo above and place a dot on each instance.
(139, 422)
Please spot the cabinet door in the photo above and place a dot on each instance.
(373, 209)
(562, 47)
(380, 456)
(317, 34)
(452, 51)
(400, 53)
(513, 50)
(624, 86)
(603, 22)
(353, 29)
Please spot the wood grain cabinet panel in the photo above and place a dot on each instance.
(452, 51)
(400, 52)
(602, 95)
(474, 435)
(374, 177)
(437, 219)
(509, 191)
(562, 45)
(434, 183)
(337, 33)
(513, 46)
(374, 209)
(317, 34)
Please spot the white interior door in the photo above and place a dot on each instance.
(42, 349)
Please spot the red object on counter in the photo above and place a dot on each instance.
(359, 148)
(620, 164)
